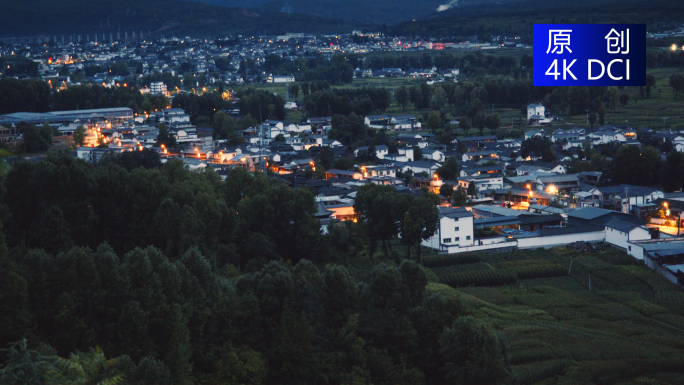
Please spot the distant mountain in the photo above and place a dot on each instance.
(373, 12)
(517, 17)
(157, 17)
(377, 12)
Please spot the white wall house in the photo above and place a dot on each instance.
(535, 109)
(434, 155)
(455, 229)
(619, 233)
(380, 151)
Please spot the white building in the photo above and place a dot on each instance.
(455, 229)
(158, 88)
(535, 109)
(619, 233)
(281, 79)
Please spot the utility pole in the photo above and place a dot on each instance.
(627, 196)
(587, 116)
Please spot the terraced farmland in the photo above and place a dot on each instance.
(629, 329)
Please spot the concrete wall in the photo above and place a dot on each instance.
(499, 247)
(635, 251)
(447, 229)
(661, 270)
(559, 240)
(620, 238)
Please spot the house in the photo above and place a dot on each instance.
(518, 196)
(587, 216)
(377, 120)
(477, 141)
(624, 196)
(403, 118)
(291, 106)
(420, 166)
(590, 177)
(433, 154)
(535, 109)
(619, 233)
(470, 170)
(6, 135)
(381, 171)
(532, 133)
(482, 182)
(553, 183)
(455, 229)
(478, 155)
(343, 174)
(380, 151)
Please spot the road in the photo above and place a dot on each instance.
(668, 229)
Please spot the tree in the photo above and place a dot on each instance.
(294, 90)
(650, 83)
(459, 197)
(472, 189)
(434, 121)
(33, 367)
(416, 97)
(420, 223)
(538, 146)
(447, 190)
(677, 84)
(402, 97)
(474, 108)
(636, 166)
(493, 122)
(36, 139)
(79, 135)
(624, 99)
(479, 121)
(450, 170)
(464, 125)
(592, 119)
(52, 232)
(601, 115)
(417, 153)
(379, 207)
(165, 137)
(438, 98)
(672, 177)
(471, 353)
(179, 349)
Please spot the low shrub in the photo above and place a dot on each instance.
(496, 277)
(646, 308)
(540, 271)
(442, 270)
(618, 371)
(522, 263)
(538, 371)
(450, 259)
(620, 296)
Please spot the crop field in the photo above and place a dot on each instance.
(608, 319)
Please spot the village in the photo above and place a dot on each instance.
(492, 199)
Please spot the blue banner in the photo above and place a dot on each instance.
(589, 55)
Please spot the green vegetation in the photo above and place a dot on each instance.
(628, 329)
(488, 19)
(173, 17)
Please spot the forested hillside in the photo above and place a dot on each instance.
(141, 260)
(168, 17)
